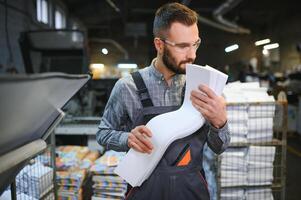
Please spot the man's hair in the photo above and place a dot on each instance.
(170, 13)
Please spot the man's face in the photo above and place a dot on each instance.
(179, 47)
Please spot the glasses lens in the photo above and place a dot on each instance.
(183, 47)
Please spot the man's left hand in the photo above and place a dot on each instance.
(212, 107)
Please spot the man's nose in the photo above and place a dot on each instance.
(191, 54)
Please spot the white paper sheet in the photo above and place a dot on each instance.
(238, 129)
(246, 92)
(259, 193)
(237, 116)
(232, 194)
(262, 111)
(136, 167)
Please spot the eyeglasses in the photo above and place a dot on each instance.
(182, 47)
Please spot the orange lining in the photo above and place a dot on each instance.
(185, 160)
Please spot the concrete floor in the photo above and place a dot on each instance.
(293, 168)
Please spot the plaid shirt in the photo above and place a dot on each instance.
(124, 105)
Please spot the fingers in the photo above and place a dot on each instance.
(204, 112)
(207, 91)
(200, 104)
(213, 108)
(139, 139)
(135, 146)
(142, 139)
(145, 130)
(200, 100)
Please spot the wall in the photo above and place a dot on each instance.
(21, 16)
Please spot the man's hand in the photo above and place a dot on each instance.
(212, 107)
(139, 139)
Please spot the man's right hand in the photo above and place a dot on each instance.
(139, 139)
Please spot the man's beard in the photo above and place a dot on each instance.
(170, 63)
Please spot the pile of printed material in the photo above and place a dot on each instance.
(250, 116)
(106, 184)
(34, 182)
(250, 112)
(72, 167)
(234, 167)
(260, 165)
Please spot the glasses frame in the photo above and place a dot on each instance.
(182, 47)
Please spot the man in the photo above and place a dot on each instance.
(158, 89)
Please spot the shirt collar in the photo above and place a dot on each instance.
(159, 75)
(154, 70)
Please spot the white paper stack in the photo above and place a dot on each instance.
(35, 180)
(260, 129)
(234, 167)
(106, 184)
(238, 122)
(260, 165)
(177, 124)
(232, 194)
(259, 193)
(250, 115)
(259, 116)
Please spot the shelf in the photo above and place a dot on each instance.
(276, 185)
(274, 142)
(76, 129)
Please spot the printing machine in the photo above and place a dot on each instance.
(30, 109)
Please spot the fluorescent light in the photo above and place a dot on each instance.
(262, 42)
(271, 46)
(97, 66)
(127, 66)
(104, 51)
(231, 48)
(265, 52)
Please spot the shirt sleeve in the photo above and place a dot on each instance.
(218, 139)
(112, 131)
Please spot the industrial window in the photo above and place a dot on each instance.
(60, 18)
(75, 35)
(42, 11)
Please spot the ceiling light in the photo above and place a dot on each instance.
(265, 52)
(231, 48)
(262, 42)
(127, 66)
(104, 51)
(271, 46)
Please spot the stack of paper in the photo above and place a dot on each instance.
(259, 193)
(259, 112)
(232, 194)
(70, 184)
(35, 180)
(234, 167)
(260, 129)
(262, 111)
(238, 122)
(72, 163)
(171, 126)
(70, 157)
(106, 184)
(260, 165)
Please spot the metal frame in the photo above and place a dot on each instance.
(51, 135)
(279, 142)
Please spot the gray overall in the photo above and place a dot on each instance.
(168, 180)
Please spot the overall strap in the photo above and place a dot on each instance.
(142, 90)
(183, 93)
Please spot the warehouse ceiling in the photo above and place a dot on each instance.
(107, 17)
(126, 25)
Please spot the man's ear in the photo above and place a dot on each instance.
(158, 45)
